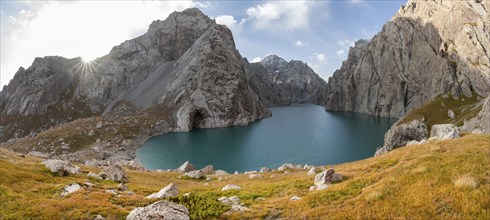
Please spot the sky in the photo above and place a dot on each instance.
(316, 32)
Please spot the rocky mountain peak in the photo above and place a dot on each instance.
(274, 62)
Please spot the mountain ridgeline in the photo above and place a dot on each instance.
(183, 73)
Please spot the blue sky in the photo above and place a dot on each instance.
(317, 32)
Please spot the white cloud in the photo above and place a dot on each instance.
(340, 52)
(231, 22)
(256, 60)
(320, 57)
(299, 43)
(72, 29)
(347, 43)
(288, 15)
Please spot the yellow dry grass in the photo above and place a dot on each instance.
(418, 182)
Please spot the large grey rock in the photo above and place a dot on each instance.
(417, 56)
(185, 167)
(209, 169)
(114, 173)
(61, 167)
(196, 174)
(168, 191)
(160, 210)
(279, 82)
(444, 131)
(400, 134)
(326, 177)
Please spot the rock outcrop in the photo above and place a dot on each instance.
(160, 210)
(280, 83)
(429, 48)
(61, 167)
(326, 177)
(114, 173)
(444, 131)
(186, 67)
(185, 167)
(168, 191)
(401, 133)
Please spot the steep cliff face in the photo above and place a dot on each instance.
(186, 63)
(282, 83)
(429, 48)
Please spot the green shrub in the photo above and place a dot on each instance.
(201, 207)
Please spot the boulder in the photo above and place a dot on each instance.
(185, 167)
(265, 169)
(160, 210)
(450, 114)
(254, 176)
(94, 175)
(289, 166)
(400, 134)
(38, 154)
(209, 169)
(168, 191)
(114, 173)
(99, 217)
(326, 177)
(196, 174)
(312, 171)
(307, 167)
(444, 131)
(70, 189)
(61, 167)
(230, 187)
(122, 187)
(234, 200)
(220, 172)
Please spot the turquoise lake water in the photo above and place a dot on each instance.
(302, 134)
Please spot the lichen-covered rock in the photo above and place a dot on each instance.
(417, 56)
(163, 210)
(168, 191)
(444, 131)
(400, 134)
(114, 173)
(61, 167)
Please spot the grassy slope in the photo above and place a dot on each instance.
(444, 180)
(436, 111)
